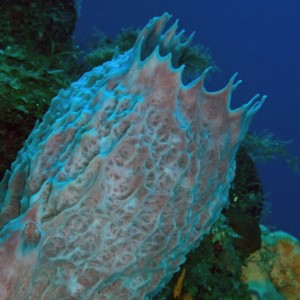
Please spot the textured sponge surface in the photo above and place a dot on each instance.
(127, 171)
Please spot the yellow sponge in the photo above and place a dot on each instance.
(275, 267)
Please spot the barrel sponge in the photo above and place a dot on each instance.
(129, 169)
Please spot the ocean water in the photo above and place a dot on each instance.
(258, 38)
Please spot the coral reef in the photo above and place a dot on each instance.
(273, 271)
(212, 270)
(246, 193)
(126, 173)
(37, 59)
(39, 25)
(100, 48)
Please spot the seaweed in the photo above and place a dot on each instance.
(265, 146)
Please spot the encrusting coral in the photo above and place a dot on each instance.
(125, 174)
(274, 270)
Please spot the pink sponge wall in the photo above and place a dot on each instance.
(127, 172)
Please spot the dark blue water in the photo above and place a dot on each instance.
(260, 40)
